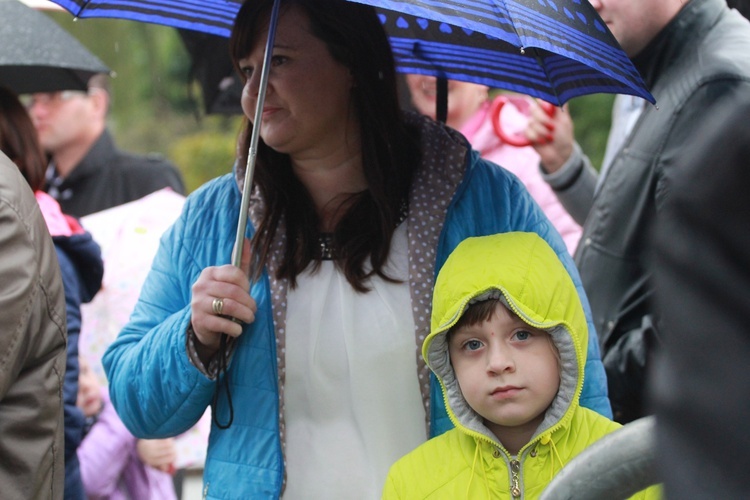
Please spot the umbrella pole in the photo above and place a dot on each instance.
(254, 138)
(223, 355)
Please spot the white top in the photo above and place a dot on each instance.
(352, 398)
(625, 112)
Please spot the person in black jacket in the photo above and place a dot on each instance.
(87, 173)
(691, 54)
(701, 380)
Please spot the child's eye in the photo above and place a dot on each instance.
(522, 335)
(472, 345)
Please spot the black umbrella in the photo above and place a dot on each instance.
(37, 55)
(213, 70)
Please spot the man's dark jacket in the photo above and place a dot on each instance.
(108, 177)
(701, 378)
(701, 57)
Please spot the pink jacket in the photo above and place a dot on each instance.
(110, 467)
(524, 163)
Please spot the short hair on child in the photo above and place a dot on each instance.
(482, 311)
(476, 313)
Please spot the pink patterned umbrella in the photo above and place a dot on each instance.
(129, 236)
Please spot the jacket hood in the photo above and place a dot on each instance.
(523, 271)
(86, 256)
(77, 243)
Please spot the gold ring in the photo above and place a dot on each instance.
(218, 306)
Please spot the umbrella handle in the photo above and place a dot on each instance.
(517, 140)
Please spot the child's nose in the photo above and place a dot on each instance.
(500, 359)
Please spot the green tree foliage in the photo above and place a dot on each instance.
(156, 108)
(591, 117)
(210, 152)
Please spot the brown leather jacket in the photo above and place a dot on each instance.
(32, 347)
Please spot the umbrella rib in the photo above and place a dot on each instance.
(83, 7)
(553, 88)
(501, 11)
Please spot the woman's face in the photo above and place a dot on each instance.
(308, 110)
(464, 99)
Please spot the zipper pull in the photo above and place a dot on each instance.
(515, 485)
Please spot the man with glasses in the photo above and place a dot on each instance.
(87, 173)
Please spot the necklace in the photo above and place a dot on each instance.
(325, 245)
(326, 248)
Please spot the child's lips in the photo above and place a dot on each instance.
(505, 392)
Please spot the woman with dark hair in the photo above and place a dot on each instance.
(18, 140)
(320, 387)
(80, 262)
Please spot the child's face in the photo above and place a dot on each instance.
(508, 371)
(89, 399)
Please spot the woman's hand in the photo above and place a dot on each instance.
(551, 136)
(220, 296)
(157, 453)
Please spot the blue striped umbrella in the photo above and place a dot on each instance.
(551, 49)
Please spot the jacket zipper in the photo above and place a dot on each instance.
(515, 478)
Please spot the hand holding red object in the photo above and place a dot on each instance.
(523, 105)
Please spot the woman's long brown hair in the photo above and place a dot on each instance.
(354, 37)
(18, 139)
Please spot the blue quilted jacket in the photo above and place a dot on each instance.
(158, 392)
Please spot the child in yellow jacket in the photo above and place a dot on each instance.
(508, 344)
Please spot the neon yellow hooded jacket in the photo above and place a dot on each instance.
(469, 462)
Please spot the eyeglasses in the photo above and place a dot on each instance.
(50, 98)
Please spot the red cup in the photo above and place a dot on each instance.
(522, 104)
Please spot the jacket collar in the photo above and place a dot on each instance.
(667, 47)
(101, 154)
